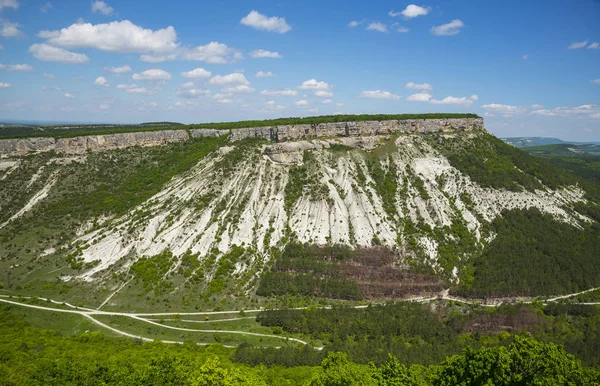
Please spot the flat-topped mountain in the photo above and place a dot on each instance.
(357, 209)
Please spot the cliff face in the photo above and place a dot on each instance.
(80, 145)
(357, 129)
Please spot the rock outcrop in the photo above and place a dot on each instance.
(80, 145)
(356, 129)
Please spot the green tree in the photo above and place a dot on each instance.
(339, 371)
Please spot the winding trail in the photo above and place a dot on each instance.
(89, 313)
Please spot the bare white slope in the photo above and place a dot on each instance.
(247, 207)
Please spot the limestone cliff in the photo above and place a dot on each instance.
(82, 144)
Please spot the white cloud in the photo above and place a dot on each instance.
(44, 88)
(213, 52)
(193, 93)
(594, 46)
(377, 26)
(568, 111)
(5, 85)
(301, 103)
(324, 94)
(419, 86)
(450, 100)
(48, 53)
(221, 96)
(9, 4)
(577, 45)
(101, 81)
(258, 54)
(46, 7)
(339, 104)
(354, 24)
(118, 70)
(452, 28)
(117, 36)
(262, 74)
(105, 105)
(378, 94)
(525, 57)
(240, 88)
(158, 58)
(197, 73)
(187, 85)
(102, 7)
(283, 92)
(413, 11)
(597, 81)
(327, 101)
(229, 80)
(140, 90)
(49, 76)
(595, 116)
(153, 74)
(259, 21)
(126, 86)
(313, 84)
(69, 96)
(16, 67)
(9, 29)
(225, 100)
(504, 109)
(402, 29)
(135, 89)
(419, 97)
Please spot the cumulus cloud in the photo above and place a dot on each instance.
(419, 86)
(419, 97)
(101, 81)
(378, 94)
(324, 94)
(261, 22)
(594, 46)
(240, 88)
(153, 74)
(301, 103)
(262, 74)
(213, 52)
(9, 4)
(49, 76)
(377, 26)
(504, 109)
(197, 73)
(140, 90)
(102, 7)
(9, 29)
(313, 84)
(597, 81)
(48, 53)
(5, 85)
(578, 45)
(354, 24)
(230, 80)
(589, 110)
(117, 36)
(452, 28)
(259, 54)
(193, 93)
(118, 70)
(283, 92)
(327, 101)
(412, 11)
(450, 100)
(16, 67)
(69, 96)
(46, 7)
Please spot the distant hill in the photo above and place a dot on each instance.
(563, 150)
(521, 142)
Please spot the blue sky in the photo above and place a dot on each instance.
(530, 68)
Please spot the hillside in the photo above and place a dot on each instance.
(212, 217)
(245, 240)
